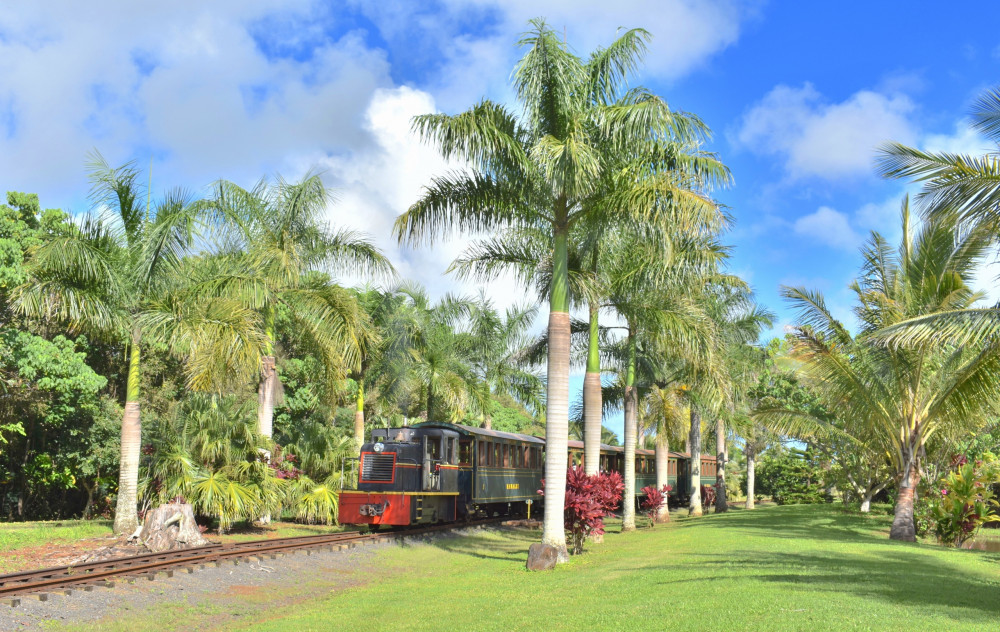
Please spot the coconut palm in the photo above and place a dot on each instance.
(275, 255)
(965, 185)
(902, 394)
(117, 276)
(534, 172)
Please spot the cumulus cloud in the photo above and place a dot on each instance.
(190, 83)
(237, 90)
(686, 34)
(378, 184)
(828, 226)
(816, 138)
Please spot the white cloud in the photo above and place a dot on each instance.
(964, 140)
(686, 34)
(237, 90)
(816, 138)
(828, 226)
(186, 82)
(378, 184)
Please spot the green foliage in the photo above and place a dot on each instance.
(965, 500)
(790, 477)
(513, 418)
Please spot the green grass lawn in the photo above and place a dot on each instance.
(26, 545)
(776, 568)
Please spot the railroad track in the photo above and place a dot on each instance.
(65, 579)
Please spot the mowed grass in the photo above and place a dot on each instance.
(776, 568)
(18, 535)
(28, 545)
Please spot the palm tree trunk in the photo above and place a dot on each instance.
(268, 378)
(557, 392)
(663, 472)
(720, 467)
(695, 439)
(751, 464)
(126, 519)
(488, 421)
(592, 400)
(359, 418)
(631, 410)
(903, 526)
(265, 396)
(430, 398)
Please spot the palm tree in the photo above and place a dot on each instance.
(902, 394)
(118, 276)
(534, 172)
(499, 346)
(663, 408)
(275, 256)
(967, 186)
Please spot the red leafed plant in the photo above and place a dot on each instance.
(588, 500)
(707, 495)
(655, 498)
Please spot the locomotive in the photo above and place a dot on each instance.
(441, 472)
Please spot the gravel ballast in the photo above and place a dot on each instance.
(241, 588)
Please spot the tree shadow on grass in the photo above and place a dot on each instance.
(814, 522)
(905, 577)
(513, 547)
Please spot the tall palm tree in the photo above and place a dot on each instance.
(118, 276)
(275, 255)
(534, 172)
(904, 394)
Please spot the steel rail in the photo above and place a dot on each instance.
(99, 573)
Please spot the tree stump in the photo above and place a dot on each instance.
(169, 527)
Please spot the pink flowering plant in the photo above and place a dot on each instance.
(964, 500)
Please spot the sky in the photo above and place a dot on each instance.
(798, 95)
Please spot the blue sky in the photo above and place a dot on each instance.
(798, 94)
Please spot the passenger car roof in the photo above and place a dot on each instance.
(481, 432)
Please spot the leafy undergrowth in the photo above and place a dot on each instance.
(778, 568)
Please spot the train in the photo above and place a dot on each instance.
(435, 472)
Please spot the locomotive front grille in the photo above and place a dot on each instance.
(377, 468)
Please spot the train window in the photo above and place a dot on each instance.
(481, 453)
(503, 456)
(526, 457)
(497, 459)
(433, 448)
(535, 464)
(450, 450)
(489, 453)
(518, 453)
(465, 452)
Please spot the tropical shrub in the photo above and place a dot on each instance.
(965, 500)
(707, 495)
(588, 499)
(790, 477)
(655, 498)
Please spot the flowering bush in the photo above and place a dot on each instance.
(588, 500)
(655, 498)
(964, 499)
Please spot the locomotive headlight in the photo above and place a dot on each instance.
(378, 447)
